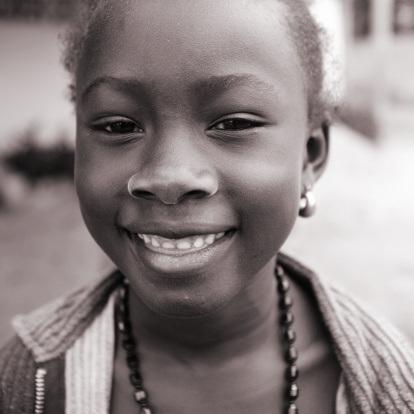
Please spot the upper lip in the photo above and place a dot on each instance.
(178, 231)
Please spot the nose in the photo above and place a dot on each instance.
(173, 176)
(172, 188)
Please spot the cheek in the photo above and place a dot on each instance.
(266, 195)
(100, 183)
(278, 209)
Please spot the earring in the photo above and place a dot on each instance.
(307, 204)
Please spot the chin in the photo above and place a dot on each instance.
(186, 306)
(182, 303)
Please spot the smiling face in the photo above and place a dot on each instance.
(191, 123)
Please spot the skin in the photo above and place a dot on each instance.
(206, 109)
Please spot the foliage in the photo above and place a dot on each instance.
(36, 9)
(36, 162)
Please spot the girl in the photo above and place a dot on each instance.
(201, 130)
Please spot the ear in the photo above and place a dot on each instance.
(316, 153)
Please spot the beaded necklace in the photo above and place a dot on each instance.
(288, 337)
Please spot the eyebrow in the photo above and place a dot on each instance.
(220, 84)
(208, 86)
(123, 84)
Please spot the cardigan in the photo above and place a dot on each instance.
(48, 367)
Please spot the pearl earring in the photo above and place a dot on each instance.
(307, 204)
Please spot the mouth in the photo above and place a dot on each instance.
(180, 252)
(182, 245)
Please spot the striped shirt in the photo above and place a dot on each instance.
(76, 333)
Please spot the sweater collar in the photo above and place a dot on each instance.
(377, 363)
(49, 331)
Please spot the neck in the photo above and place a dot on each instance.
(245, 323)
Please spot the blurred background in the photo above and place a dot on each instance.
(362, 237)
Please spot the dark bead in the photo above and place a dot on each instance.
(129, 344)
(283, 286)
(121, 327)
(126, 313)
(136, 380)
(140, 396)
(293, 392)
(291, 354)
(285, 302)
(123, 293)
(127, 325)
(292, 372)
(279, 272)
(287, 318)
(132, 360)
(293, 409)
(121, 308)
(144, 403)
(290, 335)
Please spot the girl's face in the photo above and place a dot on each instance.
(203, 104)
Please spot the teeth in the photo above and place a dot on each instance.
(184, 245)
(210, 239)
(167, 245)
(187, 243)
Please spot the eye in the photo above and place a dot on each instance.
(121, 127)
(236, 124)
(118, 126)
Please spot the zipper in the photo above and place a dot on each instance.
(40, 391)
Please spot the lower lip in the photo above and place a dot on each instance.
(186, 262)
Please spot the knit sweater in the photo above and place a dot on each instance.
(50, 366)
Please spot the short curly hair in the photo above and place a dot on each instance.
(306, 33)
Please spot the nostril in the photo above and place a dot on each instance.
(195, 194)
(142, 194)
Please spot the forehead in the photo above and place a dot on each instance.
(178, 41)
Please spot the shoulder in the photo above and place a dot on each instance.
(366, 334)
(48, 331)
(13, 352)
(42, 338)
(17, 368)
(377, 362)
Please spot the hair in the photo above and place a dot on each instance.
(307, 36)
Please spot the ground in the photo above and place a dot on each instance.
(362, 236)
